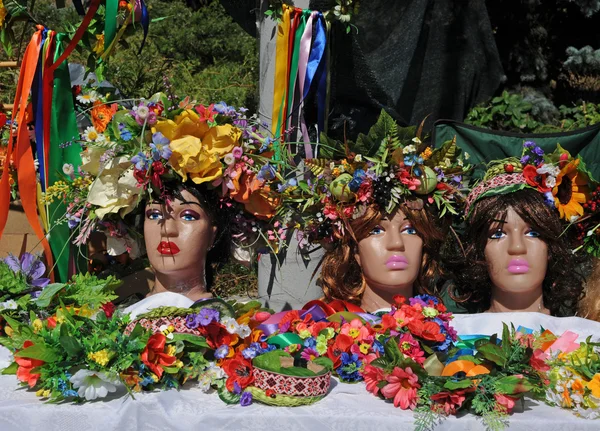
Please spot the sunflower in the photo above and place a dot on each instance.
(571, 190)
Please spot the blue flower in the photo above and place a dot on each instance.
(140, 161)
(412, 160)
(378, 347)
(224, 109)
(349, 370)
(250, 352)
(32, 269)
(222, 351)
(207, 315)
(265, 145)
(124, 132)
(357, 180)
(267, 172)
(160, 146)
(246, 399)
(549, 199)
(423, 300)
(310, 342)
(191, 321)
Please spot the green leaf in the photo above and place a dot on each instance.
(48, 293)
(39, 351)
(513, 385)
(505, 340)
(11, 369)
(392, 351)
(324, 362)
(190, 338)
(69, 343)
(270, 361)
(493, 352)
(228, 397)
(458, 384)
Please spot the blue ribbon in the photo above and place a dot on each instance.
(38, 108)
(145, 20)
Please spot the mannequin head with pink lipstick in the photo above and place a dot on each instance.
(383, 255)
(183, 235)
(517, 258)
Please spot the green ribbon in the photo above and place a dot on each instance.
(63, 129)
(468, 341)
(110, 22)
(286, 339)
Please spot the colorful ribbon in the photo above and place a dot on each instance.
(110, 21)
(281, 76)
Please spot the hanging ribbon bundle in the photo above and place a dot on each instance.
(301, 66)
(45, 76)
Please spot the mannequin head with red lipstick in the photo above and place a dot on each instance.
(181, 233)
(517, 258)
(383, 255)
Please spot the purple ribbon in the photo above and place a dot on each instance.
(271, 325)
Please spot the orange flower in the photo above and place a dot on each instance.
(102, 114)
(154, 356)
(255, 196)
(26, 365)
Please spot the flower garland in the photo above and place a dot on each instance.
(343, 12)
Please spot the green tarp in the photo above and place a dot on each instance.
(484, 145)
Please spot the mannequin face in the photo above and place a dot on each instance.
(517, 258)
(178, 236)
(390, 257)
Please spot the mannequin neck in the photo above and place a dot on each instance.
(193, 287)
(503, 301)
(374, 299)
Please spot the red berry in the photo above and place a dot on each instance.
(509, 168)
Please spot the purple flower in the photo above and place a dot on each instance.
(222, 351)
(237, 389)
(140, 161)
(207, 315)
(529, 144)
(538, 151)
(160, 146)
(309, 353)
(73, 221)
(224, 109)
(33, 269)
(267, 172)
(249, 353)
(549, 199)
(246, 399)
(525, 160)
(191, 321)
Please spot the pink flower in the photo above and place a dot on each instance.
(373, 376)
(356, 330)
(505, 403)
(237, 152)
(538, 360)
(402, 387)
(449, 401)
(410, 347)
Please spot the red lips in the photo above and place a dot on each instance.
(169, 248)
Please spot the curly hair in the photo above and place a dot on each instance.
(589, 306)
(562, 287)
(341, 275)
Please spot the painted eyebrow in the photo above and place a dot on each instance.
(190, 202)
(499, 221)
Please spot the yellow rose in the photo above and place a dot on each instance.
(191, 159)
(221, 139)
(186, 123)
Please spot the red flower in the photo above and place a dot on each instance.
(426, 330)
(505, 403)
(109, 309)
(534, 179)
(239, 370)
(449, 402)
(373, 376)
(76, 90)
(206, 113)
(538, 360)
(140, 176)
(402, 388)
(26, 365)
(51, 322)
(154, 356)
(388, 322)
(342, 344)
(216, 335)
(158, 169)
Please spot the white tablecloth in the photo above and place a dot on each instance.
(347, 407)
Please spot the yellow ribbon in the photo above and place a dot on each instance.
(281, 72)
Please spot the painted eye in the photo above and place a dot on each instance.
(377, 230)
(190, 215)
(154, 215)
(497, 234)
(409, 230)
(533, 234)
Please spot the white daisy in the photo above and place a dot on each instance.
(91, 135)
(92, 384)
(230, 324)
(89, 97)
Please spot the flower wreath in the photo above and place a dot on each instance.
(384, 168)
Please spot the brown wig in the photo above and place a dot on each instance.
(341, 275)
(562, 286)
(589, 306)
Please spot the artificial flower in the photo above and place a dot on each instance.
(239, 371)
(255, 196)
(102, 114)
(207, 113)
(505, 403)
(90, 159)
(571, 190)
(26, 365)
(90, 134)
(449, 401)
(30, 267)
(594, 385)
(373, 376)
(221, 140)
(115, 190)
(88, 97)
(190, 158)
(99, 45)
(93, 384)
(185, 124)
(535, 179)
(155, 356)
(402, 388)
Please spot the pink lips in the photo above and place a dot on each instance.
(397, 262)
(518, 266)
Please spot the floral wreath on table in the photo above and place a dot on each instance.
(131, 150)
(388, 165)
(563, 179)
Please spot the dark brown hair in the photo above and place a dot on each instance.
(589, 306)
(341, 275)
(562, 286)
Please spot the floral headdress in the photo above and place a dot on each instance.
(562, 179)
(130, 152)
(384, 168)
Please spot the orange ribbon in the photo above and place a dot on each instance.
(467, 367)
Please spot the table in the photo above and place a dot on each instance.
(347, 407)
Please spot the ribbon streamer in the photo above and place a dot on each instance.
(281, 73)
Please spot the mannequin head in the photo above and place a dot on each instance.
(385, 255)
(180, 231)
(516, 254)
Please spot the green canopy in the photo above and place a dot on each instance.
(484, 145)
